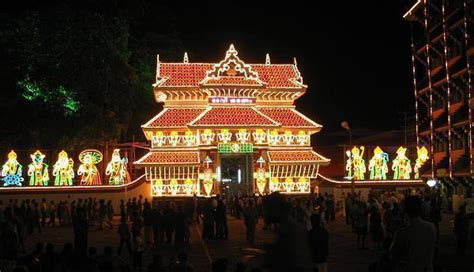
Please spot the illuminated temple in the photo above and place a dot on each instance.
(229, 127)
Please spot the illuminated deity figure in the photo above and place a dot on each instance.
(401, 165)
(63, 170)
(117, 169)
(358, 163)
(349, 165)
(37, 170)
(11, 171)
(87, 170)
(208, 181)
(260, 177)
(420, 160)
(378, 164)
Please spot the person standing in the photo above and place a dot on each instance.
(52, 213)
(81, 229)
(124, 233)
(413, 246)
(361, 223)
(221, 219)
(110, 213)
(319, 241)
(123, 210)
(251, 221)
(36, 217)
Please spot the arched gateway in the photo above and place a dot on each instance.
(230, 128)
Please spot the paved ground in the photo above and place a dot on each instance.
(343, 253)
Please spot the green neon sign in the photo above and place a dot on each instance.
(235, 148)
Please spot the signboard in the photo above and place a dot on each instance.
(231, 100)
(235, 148)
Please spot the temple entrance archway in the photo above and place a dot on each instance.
(236, 175)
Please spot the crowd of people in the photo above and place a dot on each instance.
(301, 224)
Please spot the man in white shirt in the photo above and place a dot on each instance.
(413, 247)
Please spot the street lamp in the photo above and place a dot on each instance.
(346, 126)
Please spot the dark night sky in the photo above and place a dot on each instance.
(354, 55)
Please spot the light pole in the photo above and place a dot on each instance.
(346, 126)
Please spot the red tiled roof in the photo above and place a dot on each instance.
(295, 156)
(233, 80)
(184, 74)
(173, 118)
(288, 117)
(279, 75)
(236, 116)
(174, 157)
(191, 74)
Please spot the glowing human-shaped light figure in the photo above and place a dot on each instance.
(11, 171)
(63, 170)
(401, 165)
(38, 170)
(358, 163)
(378, 165)
(117, 169)
(349, 165)
(87, 170)
(420, 160)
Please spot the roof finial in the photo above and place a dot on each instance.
(231, 51)
(267, 59)
(185, 59)
(157, 67)
(294, 61)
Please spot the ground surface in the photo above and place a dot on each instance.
(344, 255)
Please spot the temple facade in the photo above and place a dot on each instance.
(229, 128)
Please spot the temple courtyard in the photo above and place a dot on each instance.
(343, 254)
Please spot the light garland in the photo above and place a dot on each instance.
(12, 171)
(37, 170)
(63, 170)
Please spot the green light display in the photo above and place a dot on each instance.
(235, 148)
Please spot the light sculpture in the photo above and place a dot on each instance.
(87, 170)
(207, 136)
(38, 170)
(287, 137)
(157, 187)
(159, 138)
(302, 138)
(273, 137)
(63, 170)
(378, 165)
(174, 138)
(401, 165)
(259, 136)
(117, 169)
(224, 136)
(358, 163)
(189, 138)
(11, 171)
(242, 136)
(174, 187)
(420, 160)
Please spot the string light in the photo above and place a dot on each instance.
(63, 170)
(12, 171)
(38, 170)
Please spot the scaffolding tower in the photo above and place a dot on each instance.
(442, 61)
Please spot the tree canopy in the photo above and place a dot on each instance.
(79, 73)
